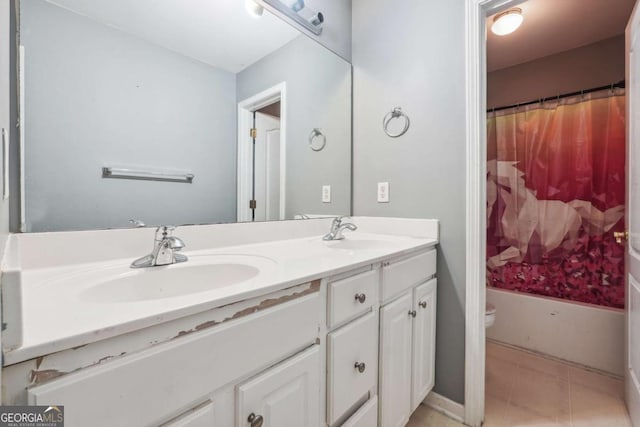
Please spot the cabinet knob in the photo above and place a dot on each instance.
(423, 304)
(255, 420)
(361, 298)
(412, 313)
(360, 366)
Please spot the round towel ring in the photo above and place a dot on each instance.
(394, 114)
(317, 140)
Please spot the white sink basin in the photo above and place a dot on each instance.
(199, 274)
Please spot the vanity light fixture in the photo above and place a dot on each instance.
(507, 22)
(300, 13)
(254, 9)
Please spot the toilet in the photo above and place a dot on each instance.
(489, 315)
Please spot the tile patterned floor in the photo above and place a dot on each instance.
(523, 389)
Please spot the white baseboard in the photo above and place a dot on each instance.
(446, 406)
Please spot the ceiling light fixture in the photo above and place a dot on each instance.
(507, 22)
(253, 8)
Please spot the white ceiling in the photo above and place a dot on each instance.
(217, 32)
(553, 26)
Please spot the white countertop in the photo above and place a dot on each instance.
(55, 317)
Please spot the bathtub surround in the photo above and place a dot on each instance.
(585, 334)
(420, 68)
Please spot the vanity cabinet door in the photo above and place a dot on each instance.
(396, 322)
(286, 395)
(424, 341)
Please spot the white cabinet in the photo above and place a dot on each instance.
(424, 342)
(286, 395)
(363, 346)
(395, 361)
(407, 337)
(154, 385)
(352, 364)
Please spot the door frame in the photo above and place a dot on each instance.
(476, 12)
(246, 108)
(630, 390)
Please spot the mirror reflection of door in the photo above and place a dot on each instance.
(266, 164)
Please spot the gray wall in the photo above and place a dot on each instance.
(401, 58)
(318, 96)
(585, 67)
(98, 97)
(6, 11)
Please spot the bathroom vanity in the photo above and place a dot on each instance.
(323, 334)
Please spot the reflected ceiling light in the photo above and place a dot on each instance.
(507, 22)
(253, 8)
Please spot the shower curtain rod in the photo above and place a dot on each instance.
(620, 84)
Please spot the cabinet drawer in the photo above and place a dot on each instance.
(400, 275)
(352, 296)
(367, 416)
(151, 386)
(355, 343)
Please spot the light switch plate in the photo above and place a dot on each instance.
(326, 194)
(383, 192)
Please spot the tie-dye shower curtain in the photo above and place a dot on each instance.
(555, 195)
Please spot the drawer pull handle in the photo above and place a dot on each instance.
(386, 264)
(423, 304)
(360, 366)
(413, 313)
(255, 420)
(361, 298)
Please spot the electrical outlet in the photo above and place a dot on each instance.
(326, 194)
(383, 192)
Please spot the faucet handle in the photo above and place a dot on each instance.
(137, 223)
(165, 230)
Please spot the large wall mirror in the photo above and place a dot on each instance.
(144, 110)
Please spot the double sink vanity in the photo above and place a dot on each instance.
(265, 324)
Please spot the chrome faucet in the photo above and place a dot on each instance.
(165, 246)
(337, 227)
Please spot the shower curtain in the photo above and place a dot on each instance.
(555, 195)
